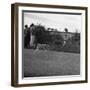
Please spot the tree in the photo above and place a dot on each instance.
(76, 36)
(66, 30)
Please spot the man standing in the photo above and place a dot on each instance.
(26, 36)
(32, 36)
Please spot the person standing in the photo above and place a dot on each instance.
(26, 36)
(32, 36)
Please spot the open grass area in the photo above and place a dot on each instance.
(50, 63)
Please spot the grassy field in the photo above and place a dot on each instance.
(49, 63)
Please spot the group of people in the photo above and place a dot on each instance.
(29, 37)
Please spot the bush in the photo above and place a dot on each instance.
(43, 46)
(72, 45)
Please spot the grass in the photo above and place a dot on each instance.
(50, 63)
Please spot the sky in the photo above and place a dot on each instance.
(56, 21)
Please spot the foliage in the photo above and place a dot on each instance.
(52, 40)
(76, 37)
(66, 30)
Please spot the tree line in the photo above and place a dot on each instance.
(44, 36)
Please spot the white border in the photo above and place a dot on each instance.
(51, 78)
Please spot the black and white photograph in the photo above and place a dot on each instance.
(49, 44)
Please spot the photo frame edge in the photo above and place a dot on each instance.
(14, 46)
